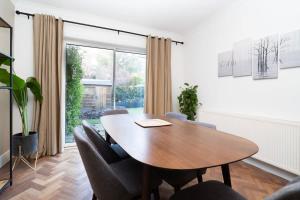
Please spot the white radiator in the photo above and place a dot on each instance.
(278, 140)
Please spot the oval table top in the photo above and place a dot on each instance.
(181, 145)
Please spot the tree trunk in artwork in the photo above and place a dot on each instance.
(264, 49)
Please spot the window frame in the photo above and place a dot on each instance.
(92, 44)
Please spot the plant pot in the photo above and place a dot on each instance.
(28, 144)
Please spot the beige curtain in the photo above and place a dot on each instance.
(48, 47)
(158, 96)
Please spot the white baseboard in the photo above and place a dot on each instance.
(4, 158)
(271, 169)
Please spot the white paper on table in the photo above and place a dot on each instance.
(152, 123)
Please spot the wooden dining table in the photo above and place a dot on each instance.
(179, 146)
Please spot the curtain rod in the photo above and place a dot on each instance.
(94, 26)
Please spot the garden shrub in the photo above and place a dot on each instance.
(130, 96)
(74, 88)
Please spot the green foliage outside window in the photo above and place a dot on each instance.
(188, 101)
(74, 88)
(130, 96)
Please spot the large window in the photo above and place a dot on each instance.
(99, 79)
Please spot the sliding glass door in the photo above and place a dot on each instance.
(130, 81)
(99, 79)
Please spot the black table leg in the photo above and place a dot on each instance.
(107, 137)
(146, 183)
(226, 174)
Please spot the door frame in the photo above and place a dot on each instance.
(91, 44)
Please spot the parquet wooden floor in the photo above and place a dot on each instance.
(63, 178)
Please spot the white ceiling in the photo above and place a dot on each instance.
(170, 15)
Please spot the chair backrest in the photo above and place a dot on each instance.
(115, 112)
(103, 180)
(289, 192)
(176, 115)
(212, 126)
(101, 145)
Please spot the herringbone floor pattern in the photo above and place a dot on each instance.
(63, 178)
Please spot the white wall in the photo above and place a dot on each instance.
(24, 48)
(277, 98)
(6, 13)
(228, 102)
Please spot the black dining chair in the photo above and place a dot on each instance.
(110, 153)
(209, 190)
(215, 190)
(289, 192)
(119, 180)
(112, 112)
(178, 178)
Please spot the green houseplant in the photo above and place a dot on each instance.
(188, 101)
(27, 140)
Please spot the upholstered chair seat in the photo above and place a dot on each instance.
(115, 181)
(214, 190)
(209, 190)
(130, 172)
(122, 154)
(289, 192)
(113, 112)
(110, 153)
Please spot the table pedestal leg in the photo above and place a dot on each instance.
(226, 174)
(146, 183)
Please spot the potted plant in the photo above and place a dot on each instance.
(27, 141)
(188, 101)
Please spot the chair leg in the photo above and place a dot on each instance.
(94, 197)
(107, 138)
(156, 194)
(176, 189)
(199, 177)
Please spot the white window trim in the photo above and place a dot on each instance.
(99, 82)
(94, 44)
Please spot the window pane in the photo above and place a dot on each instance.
(89, 78)
(95, 100)
(74, 89)
(97, 63)
(89, 85)
(130, 81)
